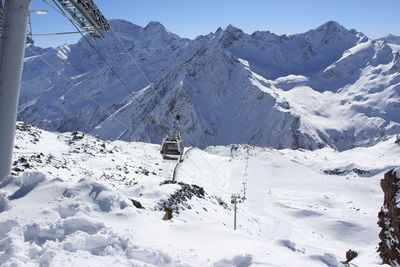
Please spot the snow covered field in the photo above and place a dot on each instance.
(68, 203)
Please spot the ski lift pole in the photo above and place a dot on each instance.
(244, 191)
(12, 49)
(234, 218)
(234, 200)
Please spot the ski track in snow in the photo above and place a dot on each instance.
(68, 203)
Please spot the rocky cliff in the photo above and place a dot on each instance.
(389, 219)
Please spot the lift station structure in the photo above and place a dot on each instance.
(14, 16)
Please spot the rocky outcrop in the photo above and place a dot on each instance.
(136, 203)
(389, 220)
(350, 255)
(179, 199)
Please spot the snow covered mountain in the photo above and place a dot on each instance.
(327, 87)
(69, 202)
(392, 39)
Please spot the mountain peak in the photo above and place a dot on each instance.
(331, 26)
(391, 39)
(123, 26)
(219, 30)
(333, 34)
(155, 25)
(229, 35)
(231, 28)
(115, 22)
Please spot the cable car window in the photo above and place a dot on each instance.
(172, 146)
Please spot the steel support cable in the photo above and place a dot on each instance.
(59, 10)
(92, 46)
(69, 80)
(151, 86)
(199, 151)
(56, 33)
(141, 105)
(130, 55)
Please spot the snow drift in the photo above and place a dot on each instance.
(68, 203)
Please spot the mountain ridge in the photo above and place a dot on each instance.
(219, 83)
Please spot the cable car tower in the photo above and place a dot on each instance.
(86, 15)
(13, 35)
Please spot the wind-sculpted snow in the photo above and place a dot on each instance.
(329, 87)
(69, 202)
(63, 222)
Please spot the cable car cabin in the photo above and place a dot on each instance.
(172, 148)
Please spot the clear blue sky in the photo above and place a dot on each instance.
(190, 18)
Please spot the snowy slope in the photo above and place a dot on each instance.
(327, 87)
(239, 106)
(68, 203)
(52, 102)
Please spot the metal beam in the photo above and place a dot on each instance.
(12, 49)
(56, 33)
(86, 15)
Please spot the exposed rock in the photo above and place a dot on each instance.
(33, 133)
(136, 203)
(77, 135)
(334, 171)
(143, 171)
(360, 171)
(389, 247)
(350, 255)
(181, 196)
(168, 214)
(337, 171)
(221, 202)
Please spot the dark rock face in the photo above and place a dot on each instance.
(136, 203)
(178, 200)
(168, 214)
(350, 255)
(389, 220)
